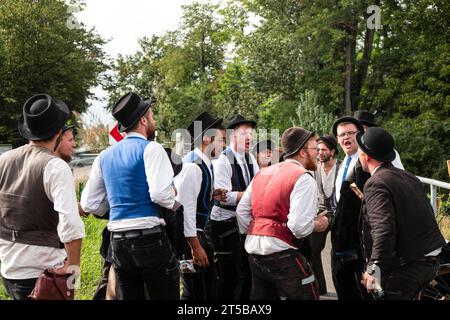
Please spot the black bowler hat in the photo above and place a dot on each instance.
(367, 118)
(263, 145)
(377, 143)
(207, 122)
(42, 117)
(238, 120)
(129, 109)
(293, 139)
(347, 119)
(330, 141)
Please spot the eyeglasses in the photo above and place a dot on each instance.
(350, 134)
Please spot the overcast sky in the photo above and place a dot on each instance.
(123, 22)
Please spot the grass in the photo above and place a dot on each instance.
(90, 260)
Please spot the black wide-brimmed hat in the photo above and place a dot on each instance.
(129, 109)
(347, 119)
(238, 120)
(263, 145)
(293, 139)
(42, 117)
(207, 121)
(377, 143)
(367, 118)
(330, 141)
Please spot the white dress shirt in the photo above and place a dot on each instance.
(188, 184)
(223, 173)
(302, 211)
(396, 163)
(354, 157)
(23, 261)
(159, 172)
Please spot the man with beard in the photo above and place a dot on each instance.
(195, 185)
(128, 179)
(64, 149)
(39, 223)
(279, 206)
(234, 171)
(325, 176)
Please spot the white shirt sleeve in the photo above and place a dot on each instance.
(188, 184)
(255, 165)
(60, 189)
(397, 162)
(94, 198)
(244, 210)
(222, 179)
(159, 174)
(303, 206)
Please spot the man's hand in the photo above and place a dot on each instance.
(81, 211)
(371, 283)
(199, 256)
(321, 222)
(220, 195)
(66, 269)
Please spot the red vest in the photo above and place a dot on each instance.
(271, 191)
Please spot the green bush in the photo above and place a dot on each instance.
(423, 143)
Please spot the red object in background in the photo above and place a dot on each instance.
(115, 133)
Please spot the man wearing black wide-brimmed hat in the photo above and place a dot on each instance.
(234, 170)
(39, 222)
(195, 186)
(130, 179)
(279, 207)
(402, 240)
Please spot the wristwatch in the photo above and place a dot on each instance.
(371, 269)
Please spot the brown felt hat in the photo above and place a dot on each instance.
(293, 139)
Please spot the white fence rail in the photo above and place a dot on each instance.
(434, 184)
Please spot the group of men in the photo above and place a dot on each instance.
(253, 227)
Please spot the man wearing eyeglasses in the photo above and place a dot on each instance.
(345, 129)
(346, 258)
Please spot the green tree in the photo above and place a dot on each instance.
(310, 114)
(41, 53)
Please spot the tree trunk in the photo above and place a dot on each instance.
(363, 66)
(348, 78)
(350, 46)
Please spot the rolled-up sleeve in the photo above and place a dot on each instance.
(94, 198)
(159, 174)
(60, 189)
(303, 208)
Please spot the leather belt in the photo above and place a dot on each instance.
(131, 234)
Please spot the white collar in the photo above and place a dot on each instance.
(202, 156)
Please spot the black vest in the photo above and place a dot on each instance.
(237, 177)
(204, 199)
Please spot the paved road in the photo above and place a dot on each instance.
(326, 261)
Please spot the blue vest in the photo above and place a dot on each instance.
(204, 199)
(126, 184)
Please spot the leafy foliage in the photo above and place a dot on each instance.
(41, 53)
